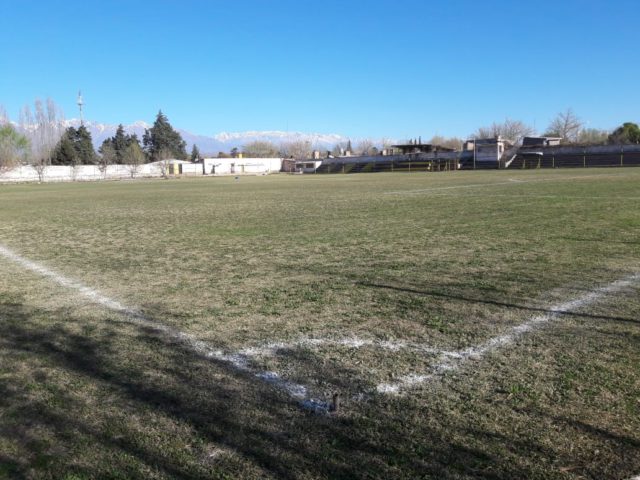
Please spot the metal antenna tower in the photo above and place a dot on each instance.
(80, 104)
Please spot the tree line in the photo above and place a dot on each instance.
(565, 125)
(41, 140)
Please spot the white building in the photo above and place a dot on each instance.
(240, 166)
(487, 151)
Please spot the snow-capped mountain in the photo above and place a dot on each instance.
(221, 142)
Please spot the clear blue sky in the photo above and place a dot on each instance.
(359, 68)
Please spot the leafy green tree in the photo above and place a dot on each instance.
(628, 132)
(195, 153)
(14, 147)
(161, 137)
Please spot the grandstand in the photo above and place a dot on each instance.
(486, 154)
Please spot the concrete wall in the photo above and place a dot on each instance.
(63, 173)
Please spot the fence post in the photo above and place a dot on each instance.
(621, 156)
(584, 158)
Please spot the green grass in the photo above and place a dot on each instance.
(447, 260)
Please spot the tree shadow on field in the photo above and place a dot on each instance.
(110, 399)
(461, 298)
(626, 447)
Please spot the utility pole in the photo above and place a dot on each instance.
(80, 104)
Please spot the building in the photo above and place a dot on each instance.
(241, 166)
(541, 141)
(416, 146)
(487, 152)
(307, 166)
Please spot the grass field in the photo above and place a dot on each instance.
(404, 293)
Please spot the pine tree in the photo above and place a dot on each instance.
(163, 138)
(120, 143)
(65, 152)
(74, 148)
(84, 146)
(195, 153)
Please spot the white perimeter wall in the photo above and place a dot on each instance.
(64, 173)
(238, 166)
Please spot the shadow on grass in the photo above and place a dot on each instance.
(434, 293)
(104, 398)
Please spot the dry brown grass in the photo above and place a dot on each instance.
(86, 394)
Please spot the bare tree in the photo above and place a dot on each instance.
(365, 147)
(566, 125)
(133, 157)
(447, 142)
(44, 130)
(260, 149)
(107, 157)
(511, 130)
(298, 150)
(4, 118)
(593, 136)
(164, 162)
(339, 149)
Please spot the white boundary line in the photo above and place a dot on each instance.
(272, 349)
(447, 360)
(237, 360)
(451, 362)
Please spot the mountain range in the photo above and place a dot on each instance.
(221, 142)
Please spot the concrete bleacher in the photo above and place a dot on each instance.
(559, 156)
(579, 157)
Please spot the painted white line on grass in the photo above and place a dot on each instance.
(454, 360)
(239, 361)
(273, 348)
(510, 182)
(525, 196)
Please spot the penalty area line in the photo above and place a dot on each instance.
(238, 360)
(452, 361)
